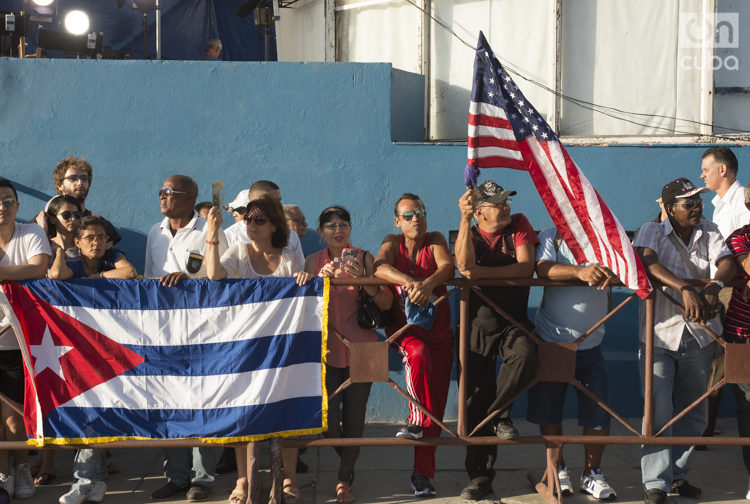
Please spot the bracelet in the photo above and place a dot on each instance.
(212, 242)
(717, 282)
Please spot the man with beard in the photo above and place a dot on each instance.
(681, 247)
(72, 176)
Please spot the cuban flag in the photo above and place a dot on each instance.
(229, 361)
(506, 131)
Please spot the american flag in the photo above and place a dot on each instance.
(506, 131)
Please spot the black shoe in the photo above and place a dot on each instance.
(655, 496)
(477, 489)
(198, 493)
(504, 429)
(685, 489)
(421, 485)
(227, 463)
(169, 490)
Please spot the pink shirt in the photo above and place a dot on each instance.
(342, 316)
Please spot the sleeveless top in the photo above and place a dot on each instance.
(342, 316)
(423, 267)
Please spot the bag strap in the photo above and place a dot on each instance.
(683, 253)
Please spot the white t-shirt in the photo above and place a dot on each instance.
(237, 233)
(28, 241)
(730, 212)
(567, 312)
(171, 254)
(236, 262)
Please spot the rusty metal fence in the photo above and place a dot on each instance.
(369, 363)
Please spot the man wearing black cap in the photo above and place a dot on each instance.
(500, 245)
(681, 247)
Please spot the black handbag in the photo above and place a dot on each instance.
(370, 315)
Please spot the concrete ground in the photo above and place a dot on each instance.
(383, 473)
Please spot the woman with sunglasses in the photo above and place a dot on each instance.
(267, 255)
(96, 261)
(346, 411)
(63, 215)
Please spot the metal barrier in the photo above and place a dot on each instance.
(369, 363)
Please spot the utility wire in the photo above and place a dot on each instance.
(601, 109)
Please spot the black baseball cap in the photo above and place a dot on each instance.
(679, 189)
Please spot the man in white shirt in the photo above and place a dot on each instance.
(238, 230)
(25, 254)
(681, 247)
(719, 173)
(174, 250)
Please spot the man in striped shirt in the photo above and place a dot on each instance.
(737, 325)
(681, 247)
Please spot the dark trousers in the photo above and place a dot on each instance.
(742, 397)
(492, 337)
(349, 421)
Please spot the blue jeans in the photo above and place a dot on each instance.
(680, 377)
(88, 468)
(179, 461)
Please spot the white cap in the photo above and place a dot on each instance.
(240, 201)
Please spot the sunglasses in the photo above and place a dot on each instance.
(8, 202)
(168, 192)
(690, 204)
(333, 227)
(258, 219)
(409, 214)
(68, 215)
(84, 179)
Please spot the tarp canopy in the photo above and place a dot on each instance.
(186, 26)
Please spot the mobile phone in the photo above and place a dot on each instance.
(217, 194)
(348, 256)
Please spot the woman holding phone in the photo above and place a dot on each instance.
(346, 412)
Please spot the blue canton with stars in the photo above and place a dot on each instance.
(494, 86)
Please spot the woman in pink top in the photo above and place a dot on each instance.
(339, 259)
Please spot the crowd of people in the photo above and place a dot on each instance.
(67, 240)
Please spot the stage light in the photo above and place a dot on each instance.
(77, 22)
(42, 3)
(43, 11)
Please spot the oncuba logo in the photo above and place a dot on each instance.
(720, 31)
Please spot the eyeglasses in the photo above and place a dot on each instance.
(168, 192)
(68, 215)
(91, 237)
(83, 179)
(339, 225)
(258, 219)
(690, 204)
(8, 202)
(409, 214)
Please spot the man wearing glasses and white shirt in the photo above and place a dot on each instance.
(174, 250)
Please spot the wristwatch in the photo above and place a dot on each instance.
(717, 282)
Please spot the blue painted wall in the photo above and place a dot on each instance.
(322, 131)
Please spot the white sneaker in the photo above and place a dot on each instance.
(6, 483)
(96, 494)
(566, 486)
(75, 496)
(747, 495)
(23, 482)
(596, 484)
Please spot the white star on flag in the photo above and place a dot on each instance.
(48, 355)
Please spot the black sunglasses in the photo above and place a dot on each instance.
(258, 219)
(68, 215)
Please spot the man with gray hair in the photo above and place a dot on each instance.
(213, 48)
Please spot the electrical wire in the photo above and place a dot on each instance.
(594, 107)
